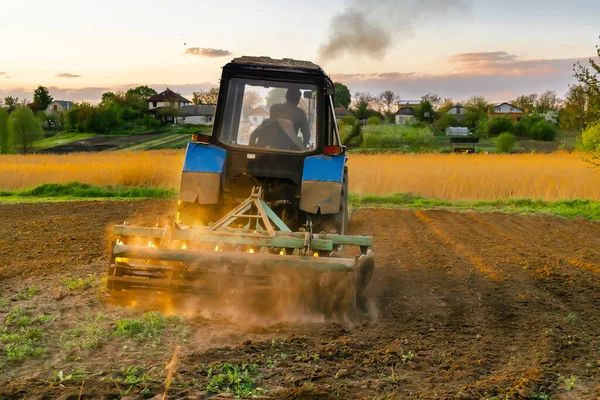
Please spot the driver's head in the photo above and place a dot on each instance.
(293, 96)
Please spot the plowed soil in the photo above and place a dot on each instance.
(469, 306)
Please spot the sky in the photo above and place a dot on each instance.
(454, 48)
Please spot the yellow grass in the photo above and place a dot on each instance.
(555, 176)
(152, 168)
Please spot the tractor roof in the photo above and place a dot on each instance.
(268, 63)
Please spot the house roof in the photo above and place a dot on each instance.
(406, 110)
(202, 110)
(341, 111)
(63, 103)
(501, 104)
(259, 111)
(168, 96)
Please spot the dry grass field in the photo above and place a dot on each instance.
(556, 176)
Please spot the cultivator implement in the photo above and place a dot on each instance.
(249, 250)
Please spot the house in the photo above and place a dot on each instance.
(169, 99)
(203, 114)
(506, 110)
(59, 106)
(258, 115)
(341, 112)
(405, 115)
(459, 111)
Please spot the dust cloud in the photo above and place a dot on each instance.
(368, 28)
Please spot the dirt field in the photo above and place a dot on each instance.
(469, 305)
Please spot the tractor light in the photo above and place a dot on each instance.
(332, 150)
(200, 137)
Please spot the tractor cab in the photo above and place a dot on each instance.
(274, 127)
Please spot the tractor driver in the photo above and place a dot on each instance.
(290, 111)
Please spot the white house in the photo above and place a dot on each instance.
(196, 115)
(169, 99)
(59, 106)
(459, 111)
(507, 108)
(405, 115)
(258, 115)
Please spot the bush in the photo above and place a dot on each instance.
(445, 121)
(544, 130)
(505, 142)
(374, 121)
(495, 126)
(395, 136)
(348, 120)
(590, 138)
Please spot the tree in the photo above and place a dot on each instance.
(525, 102)
(389, 102)
(112, 97)
(363, 105)
(505, 142)
(447, 104)
(41, 98)
(589, 77)
(477, 110)
(206, 97)
(11, 103)
(498, 125)
(574, 114)
(445, 121)
(424, 111)
(548, 101)
(342, 95)
(251, 100)
(5, 142)
(24, 128)
(433, 99)
(139, 94)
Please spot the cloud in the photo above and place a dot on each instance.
(368, 28)
(497, 75)
(210, 53)
(5, 75)
(67, 75)
(490, 57)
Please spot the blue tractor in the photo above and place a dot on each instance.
(266, 192)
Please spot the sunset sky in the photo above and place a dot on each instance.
(80, 48)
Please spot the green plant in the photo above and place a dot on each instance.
(395, 136)
(544, 130)
(79, 283)
(505, 142)
(568, 381)
(23, 343)
(497, 125)
(27, 293)
(89, 334)
(132, 376)
(590, 138)
(373, 121)
(20, 317)
(408, 357)
(150, 326)
(236, 379)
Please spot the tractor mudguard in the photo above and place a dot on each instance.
(201, 176)
(322, 179)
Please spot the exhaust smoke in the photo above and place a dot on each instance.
(368, 28)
